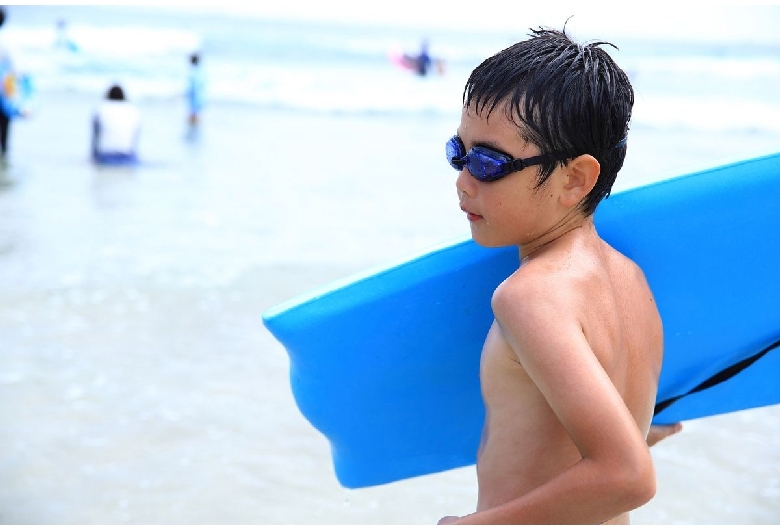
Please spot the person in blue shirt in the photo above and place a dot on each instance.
(15, 91)
(196, 87)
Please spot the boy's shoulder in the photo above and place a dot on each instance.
(535, 288)
(563, 282)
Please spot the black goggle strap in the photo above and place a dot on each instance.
(520, 164)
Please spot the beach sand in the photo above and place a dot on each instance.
(137, 382)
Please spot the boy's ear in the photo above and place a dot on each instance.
(582, 173)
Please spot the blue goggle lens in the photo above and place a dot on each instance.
(484, 164)
(455, 152)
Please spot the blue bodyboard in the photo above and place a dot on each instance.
(385, 363)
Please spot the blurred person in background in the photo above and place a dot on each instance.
(116, 125)
(196, 86)
(15, 92)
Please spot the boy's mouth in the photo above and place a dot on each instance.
(469, 215)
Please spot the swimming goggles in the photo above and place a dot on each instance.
(485, 164)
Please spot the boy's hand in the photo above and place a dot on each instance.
(449, 519)
(659, 432)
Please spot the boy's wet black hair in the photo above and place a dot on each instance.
(566, 98)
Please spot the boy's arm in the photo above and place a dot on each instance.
(616, 472)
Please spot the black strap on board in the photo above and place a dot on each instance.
(723, 375)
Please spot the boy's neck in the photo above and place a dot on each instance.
(554, 236)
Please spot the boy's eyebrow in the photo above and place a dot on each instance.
(495, 147)
(484, 143)
(490, 145)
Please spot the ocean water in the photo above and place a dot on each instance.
(137, 383)
(332, 67)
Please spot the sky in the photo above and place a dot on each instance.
(680, 20)
(716, 21)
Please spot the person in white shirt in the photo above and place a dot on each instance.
(115, 129)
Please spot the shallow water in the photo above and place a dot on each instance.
(137, 383)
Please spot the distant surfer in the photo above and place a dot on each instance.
(421, 63)
(116, 126)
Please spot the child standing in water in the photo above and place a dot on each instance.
(570, 367)
(196, 87)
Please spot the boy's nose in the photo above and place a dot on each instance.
(464, 183)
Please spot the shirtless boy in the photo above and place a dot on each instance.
(570, 366)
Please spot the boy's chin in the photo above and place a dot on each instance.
(490, 243)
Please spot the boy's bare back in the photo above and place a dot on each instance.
(572, 328)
